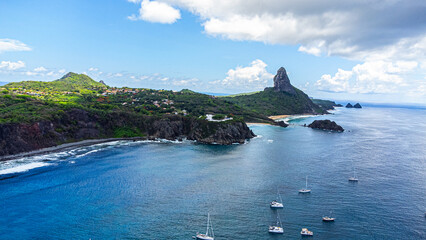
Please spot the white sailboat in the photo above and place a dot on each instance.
(328, 218)
(305, 190)
(209, 232)
(277, 203)
(277, 228)
(354, 178)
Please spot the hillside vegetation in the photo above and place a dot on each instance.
(33, 101)
(270, 102)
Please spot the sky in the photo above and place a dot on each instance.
(363, 50)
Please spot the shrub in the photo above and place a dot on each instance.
(218, 116)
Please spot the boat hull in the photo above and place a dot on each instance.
(203, 237)
(305, 191)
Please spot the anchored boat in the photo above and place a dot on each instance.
(305, 190)
(209, 232)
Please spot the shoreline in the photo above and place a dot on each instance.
(276, 117)
(66, 146)
(259, 123)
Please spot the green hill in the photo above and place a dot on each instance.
(270, 102)
(71, 82)
(282, 99)
(30, 101)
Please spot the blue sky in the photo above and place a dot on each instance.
(222, 46)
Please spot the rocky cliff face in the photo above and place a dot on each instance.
(77, 125)
(282, 82)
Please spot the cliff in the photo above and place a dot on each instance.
(76, 125)
(282, 82)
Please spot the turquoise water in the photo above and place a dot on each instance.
(163, 190)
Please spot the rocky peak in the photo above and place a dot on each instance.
(282, 82)
(101, 81)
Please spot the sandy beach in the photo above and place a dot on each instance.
(279, 117)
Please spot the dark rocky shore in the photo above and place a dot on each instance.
(77, 125)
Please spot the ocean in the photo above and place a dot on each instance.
(164, 190)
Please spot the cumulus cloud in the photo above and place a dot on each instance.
(8, 65)
(253, 77)
(337, 83)
(384, 70)
(376, 33)
(332, 27)
(8, 45)
(156, 12)
(369, 77)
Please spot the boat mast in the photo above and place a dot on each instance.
(306, 182)
(208, 220)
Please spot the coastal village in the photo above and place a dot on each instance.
(151, 100)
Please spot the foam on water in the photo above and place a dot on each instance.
(25, 164)
(23, 167)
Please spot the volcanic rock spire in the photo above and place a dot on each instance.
(282, 83)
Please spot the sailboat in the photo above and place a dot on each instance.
(277, 228)
(202, 236)
(305, 190)
(276, 203)
(328, 218)
(354, 178)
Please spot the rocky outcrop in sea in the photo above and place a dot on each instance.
(357, 105)
(349, 105)
(326, 125)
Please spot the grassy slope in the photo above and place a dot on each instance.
(71, 82)
(269, 102)
(80, 91)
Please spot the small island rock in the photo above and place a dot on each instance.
(326, 125)
(282, 124)
(357, 105)
(349, 105)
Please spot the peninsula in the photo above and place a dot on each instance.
(41, 114)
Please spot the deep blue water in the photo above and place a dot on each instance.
(164, 190)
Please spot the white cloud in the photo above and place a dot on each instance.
(9, 45)
(186, 82)
(338, 83)
(375, 33)
(40, 69)
(369, 77)
(310, 50)
(11, 65)
(156, 12)
(253, 77)
(346, 28)
(92, 69)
